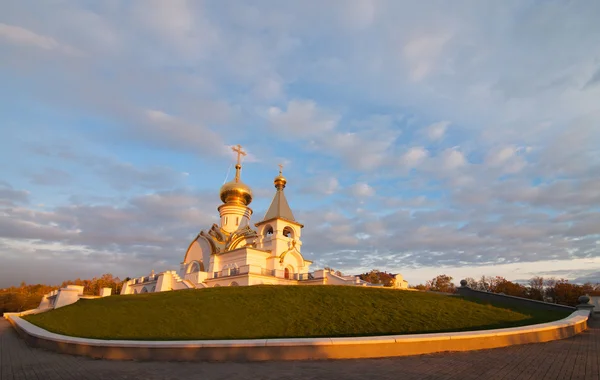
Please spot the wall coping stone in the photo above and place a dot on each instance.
(519, 299)
(306, 348)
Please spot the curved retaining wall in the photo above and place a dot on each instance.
(465, 291)
(299, 349)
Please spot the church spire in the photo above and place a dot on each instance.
(279, 206)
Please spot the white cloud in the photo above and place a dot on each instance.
(452, 159)
(436, 131)
(21, 36)
(414, 156)
(179, 24)
(422, 54)
(302, 118)
(507, 158)
(167, 129)
(198, 75)
(358, 14)
(333, 185)
(499, 156)
(362, 190)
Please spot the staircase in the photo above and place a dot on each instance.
(179, 283)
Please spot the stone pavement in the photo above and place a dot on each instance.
(574, 358)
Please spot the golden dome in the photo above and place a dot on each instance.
(280, 181)
(236, 193)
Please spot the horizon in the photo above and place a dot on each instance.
(419, 139)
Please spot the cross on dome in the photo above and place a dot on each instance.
(238, 149)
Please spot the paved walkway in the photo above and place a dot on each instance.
(573, 358)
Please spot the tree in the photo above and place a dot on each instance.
(93, 286)
(471, 282)
(536, 288)
(549, 291)
(336, 272)
(566, 293)
(377, 277)
(24, 297)
(27, 297)
(504, 286)
(441, 283)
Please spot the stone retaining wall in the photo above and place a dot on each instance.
(300, 349)
(465, 291)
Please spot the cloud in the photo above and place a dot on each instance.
(321, 185)
(25, 37)
(372, 137)
(347, 92)
(500, 155)
(508, 158)
(358, 14)
(437, 130)
(51, 177)
(594, 79)
(170, 130)
(22, 36)
(9, 196)
(362, 190)
(452, 159)
(119, 175)
(180, 26)
(301, 118)
(414, 156)
(153, 227)
(422, 54)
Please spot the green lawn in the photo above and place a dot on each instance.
(277, 312)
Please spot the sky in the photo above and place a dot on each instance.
(419, 138)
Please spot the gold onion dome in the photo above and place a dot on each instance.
(236, 192)
(280, 182)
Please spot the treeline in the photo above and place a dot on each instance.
(25, 297)
(377, 277)
(374, 276)
(92, 287)
(554, 290)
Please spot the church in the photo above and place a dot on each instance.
(234, 253)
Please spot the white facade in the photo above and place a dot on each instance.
(234, 254)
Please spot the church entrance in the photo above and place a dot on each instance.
(286, 273)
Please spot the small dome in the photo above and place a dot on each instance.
(280, 181)
(236, 192)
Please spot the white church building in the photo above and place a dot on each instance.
(235, 254)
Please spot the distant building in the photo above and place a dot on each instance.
(234, 254)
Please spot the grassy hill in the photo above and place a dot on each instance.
(277, 312)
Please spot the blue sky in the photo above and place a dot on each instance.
(417, 138)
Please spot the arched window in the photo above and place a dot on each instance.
(234, 284)
(286, 273)
(288, 232)
(268, 231)
(144, 290)
(194, 267)
(153, 289)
